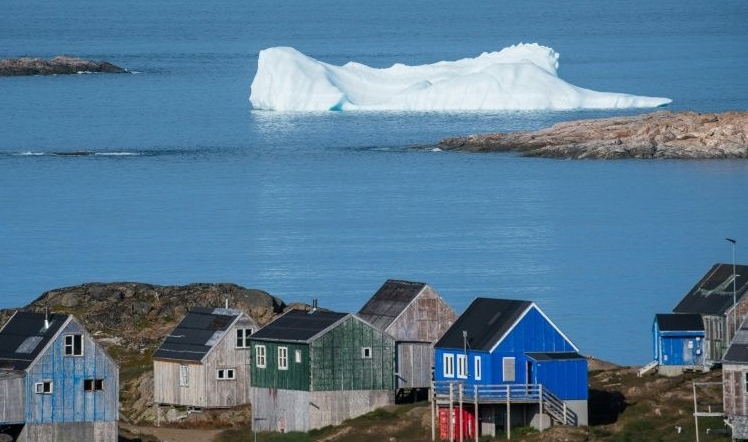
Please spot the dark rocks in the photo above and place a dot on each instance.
(662, 134)
(56, 66)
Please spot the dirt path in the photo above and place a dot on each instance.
(165, 434)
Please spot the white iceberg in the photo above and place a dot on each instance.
(520, 77)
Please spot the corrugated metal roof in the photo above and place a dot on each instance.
(679, 322)
(389, 301)
(738, 350)
(298, 326)
(713, 294)
(197, 333)
(485, 320)
(25, 336)
(554, 356)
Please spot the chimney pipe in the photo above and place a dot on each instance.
(46, 318)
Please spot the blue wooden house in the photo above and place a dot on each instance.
(678, 343)
(311, 369)
(506, 363)
(56, 382)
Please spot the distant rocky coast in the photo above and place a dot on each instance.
(61, 64)
(663, 134)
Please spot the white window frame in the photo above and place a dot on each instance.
(509, 369)
(297, 356)
(282, 358)
(261, 356)
(448, 365)
(225, 374)
(71, 349)
(462, 371)
(44, 387)
(242, 337)
(184, 375)
(477, 369)
(366, 353)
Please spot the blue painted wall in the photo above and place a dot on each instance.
(567, 379)
(68, 401)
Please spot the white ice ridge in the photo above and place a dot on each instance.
(520, 77)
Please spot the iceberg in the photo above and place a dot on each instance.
(519, 77)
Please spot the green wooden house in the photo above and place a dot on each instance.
(310, 369)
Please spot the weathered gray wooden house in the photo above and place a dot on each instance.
(416, 316)
(720, 300)
(316, 368)
(56, 382)
(735, 384)
(203, 362)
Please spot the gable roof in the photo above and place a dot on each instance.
(738, 350)
(713, 294)
(298, 325)
(392, 298)
(679, 322)
(196, 335)
(486, 321)
(24, 337)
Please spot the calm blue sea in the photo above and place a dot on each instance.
(187, 183)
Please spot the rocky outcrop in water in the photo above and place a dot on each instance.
(663, 134)
(58, 65)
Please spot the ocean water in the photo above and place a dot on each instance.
(175, 179)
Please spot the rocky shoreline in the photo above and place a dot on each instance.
(12, 67)
(657, 135)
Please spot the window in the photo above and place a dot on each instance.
(462, 366)
(282, 358)
(44, 387)
(242, 337)
(448, 360)
(508, 366)
(746, 380)
(225, 374)
(297, 356)
(476, 368)
(73, 345)
(366, 352)
(184, 376)
(93, 384)
(260, 360)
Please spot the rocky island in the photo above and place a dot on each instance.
(663, 134)
(11, 67)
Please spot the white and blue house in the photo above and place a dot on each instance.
(508, 364)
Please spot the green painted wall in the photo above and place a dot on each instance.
(296, 377)
(338, 362)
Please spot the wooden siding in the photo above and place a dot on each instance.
(424, 320)
(735, 398)
(70, 432)
(295, 377)
(294, 410)
(12, 398)
(715, 339)
(68, 401)
(337, 362)
(414, 363)
(204, 389)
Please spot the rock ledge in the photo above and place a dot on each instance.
(663, 134)
(58, 65)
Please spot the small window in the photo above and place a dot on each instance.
(73, 345)
(184, 376)
(509, 369)
(746, 381)
(448, 361)
(44, 387)
(225, 374)
(366, 352)
(297, 356)
(260, 359)
(462, 366)
(93, 384)
(242, 337)
(282, 358)
(477, 368)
